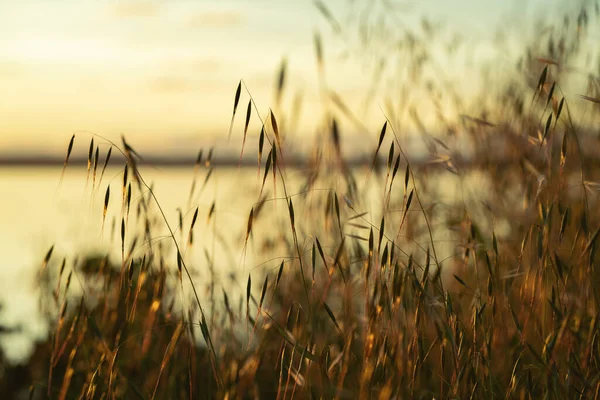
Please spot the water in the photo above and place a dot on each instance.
(36, 213)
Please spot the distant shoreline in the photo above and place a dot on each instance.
(297, 161)
(53, 161)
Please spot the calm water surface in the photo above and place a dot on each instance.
(36, 213)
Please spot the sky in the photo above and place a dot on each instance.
(164, 73)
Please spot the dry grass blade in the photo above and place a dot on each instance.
(546, 129)
(248, 115)
(263, 292)
(168, 353)
(425, 277)
(357, 237)
(124, 185)
(291, 212)
(542, 80)
(591, 242)
(559, 110)
(550, 93)
(281, 80)
(96, 156)
(563, 151)
(249, 225)
(190, 233)
(69, 150)
(515, 320)
(338, 257)
(384, 257)
(60, 274)
(123, 239)
(381, 233)
(211, 212)
(248, 294)
(335, 135)
(128, 199)
(389, 169)
(208, 161)
(227, 305)
(357, 216)
(322, 254)
(198, 160)
(396, 166)
(559, 266)
(328, 16)
(196, 169)
(390, 158)
(461, 281)
(262, 298)
(180, 222)
(279, 273)
(90, 155)
(89, 161)
(275, 129)
(129, 151)
(209, 342)
(563, 224)
(274, 167)
(371, 244)
(290, 340)
(318, 50)
(46, 260)
(236, 101)
(336, 205)
(381, 137)
(478, 121)
(410, 196)
(261, 142)
(590, 99)
(299, 254)
(91, 322)
(331, 315)
(337, 100)
(180, 268)
(108, 154)
(547, 61)
(194, 218)
(313, 261)
(394, 172)
(495, 244)
(267, 169)
(106, 200)
(205, 182)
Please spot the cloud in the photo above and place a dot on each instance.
(216, 19)
(135, 8)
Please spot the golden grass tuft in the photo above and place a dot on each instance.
(439, 299)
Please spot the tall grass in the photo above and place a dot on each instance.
(365, 302)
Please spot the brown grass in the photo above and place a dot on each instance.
(362, 302)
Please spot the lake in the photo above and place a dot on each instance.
(37, 213)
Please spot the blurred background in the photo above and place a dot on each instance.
(164, 73)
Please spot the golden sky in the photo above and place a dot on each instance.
(164, 73)
(148, 69)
